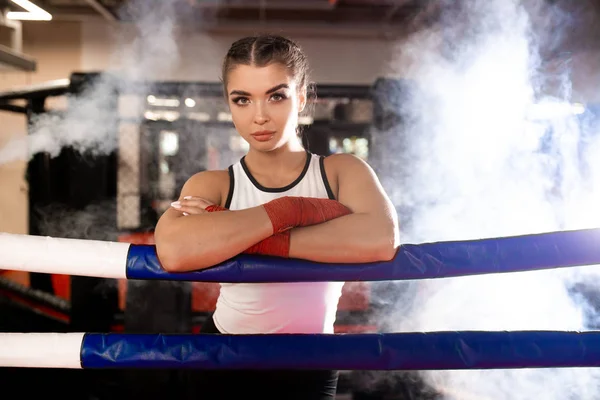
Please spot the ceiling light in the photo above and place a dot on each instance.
(33, 13)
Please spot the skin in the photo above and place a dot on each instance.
(268, 99)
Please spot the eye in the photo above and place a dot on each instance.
(240, 101)
(278, 97)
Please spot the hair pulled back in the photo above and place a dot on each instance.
(263, 50)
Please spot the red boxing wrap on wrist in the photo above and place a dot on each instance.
(215, 207)
(289, 212)
(276, 245)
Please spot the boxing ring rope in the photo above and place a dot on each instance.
(118, 260)
(386, 351)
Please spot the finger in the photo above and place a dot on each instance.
(196, 198)
(187, 208)
(192, 210)
(200, 199)
(195, 203)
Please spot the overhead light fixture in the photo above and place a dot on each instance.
(33, 13)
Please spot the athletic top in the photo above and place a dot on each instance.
(295, 307)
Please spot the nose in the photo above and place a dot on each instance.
(261, 117)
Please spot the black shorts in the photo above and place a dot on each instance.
(263, 384)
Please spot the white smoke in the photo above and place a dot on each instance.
(141, 50)
(476, 164)
(144, 49)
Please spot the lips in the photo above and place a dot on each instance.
(263, 136)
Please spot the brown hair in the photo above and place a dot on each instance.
(262, 50)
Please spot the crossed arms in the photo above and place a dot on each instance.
(203, 239)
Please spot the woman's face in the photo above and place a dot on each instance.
(264, 103)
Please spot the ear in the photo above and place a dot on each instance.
(301, 100)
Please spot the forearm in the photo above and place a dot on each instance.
(355, 238)
(200, 241)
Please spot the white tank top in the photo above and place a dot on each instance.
(295, 307)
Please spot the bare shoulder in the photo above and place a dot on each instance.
(210, 185)
(208, 177)
(342, 165)
(346, 159)
(346, 164)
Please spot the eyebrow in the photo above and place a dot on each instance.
(273, 89)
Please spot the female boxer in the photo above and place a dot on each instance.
(278, 200)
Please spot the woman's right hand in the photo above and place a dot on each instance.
(191, 205)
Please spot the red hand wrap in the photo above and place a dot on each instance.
(289, 212)
(276, 245)
(215, 207)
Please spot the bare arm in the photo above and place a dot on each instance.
(369, 234)
(193, 242)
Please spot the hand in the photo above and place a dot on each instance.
(191, 205)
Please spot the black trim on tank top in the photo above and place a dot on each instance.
(325, 180)
(279, 189)
(231, 185)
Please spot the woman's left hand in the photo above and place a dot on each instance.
(190, 205)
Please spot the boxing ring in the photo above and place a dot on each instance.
(372, 351)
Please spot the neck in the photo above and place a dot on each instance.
(286, 157)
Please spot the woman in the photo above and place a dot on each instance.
(278, 200)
